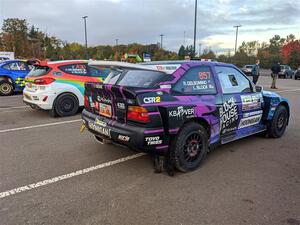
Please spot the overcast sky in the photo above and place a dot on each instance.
(143, 21)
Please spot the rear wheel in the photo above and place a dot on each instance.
(66, 105)
(190, 147)
(277, 125)
(6, 88)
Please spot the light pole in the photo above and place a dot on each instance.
(236, 36)
(85, 34)
(200, 49)
(183, 38)
(195, 26)
(161, 40)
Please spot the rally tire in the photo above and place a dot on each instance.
(189, 147)
(66, 105)
(6, 88)
(277, 125)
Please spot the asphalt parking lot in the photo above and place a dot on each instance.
(50, 173)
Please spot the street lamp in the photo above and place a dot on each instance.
(85, 34)
(195, 26)
(236, 36)
(161, 40)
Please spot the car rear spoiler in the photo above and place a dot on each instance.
(36, 62)
(120, 65)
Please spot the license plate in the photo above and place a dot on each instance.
(105, 109)
(101, 130)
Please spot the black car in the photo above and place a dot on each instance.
(297, 74)
(286, 72)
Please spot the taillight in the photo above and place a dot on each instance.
(138, 113)
(86, 102)
(44, 81)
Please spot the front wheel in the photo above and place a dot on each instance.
(277, 125)
(6, 88)
(66, 105)
(190, 147)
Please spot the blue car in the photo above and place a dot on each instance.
(12, 74)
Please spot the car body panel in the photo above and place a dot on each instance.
(64, 83)
(16, 77)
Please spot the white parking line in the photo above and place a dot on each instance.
(288, 90)
(67, 176)
(15, 107)
(40, 125)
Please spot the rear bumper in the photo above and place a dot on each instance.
(138, 138)
(42, 100)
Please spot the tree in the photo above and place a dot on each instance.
(15, 36)
(181, 52)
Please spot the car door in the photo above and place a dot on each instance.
(241, 111)
(18, 71)
(197, 88)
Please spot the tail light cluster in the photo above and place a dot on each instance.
(138, 113)
(44, 81)
(86, 102)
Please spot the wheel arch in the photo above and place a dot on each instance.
(202, 121)
(286, 105)
(8, 78)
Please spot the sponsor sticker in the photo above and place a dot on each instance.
(228, 116)
(100, 122)
(121, 105)
(123, 138)
(149, 100)
(250, 102)
(181, 112)
(103, 99)
(250, 121)
(154, 140)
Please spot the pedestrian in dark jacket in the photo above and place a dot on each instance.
(255, 72)
(275, 71)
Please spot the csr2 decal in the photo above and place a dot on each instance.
(183, 114)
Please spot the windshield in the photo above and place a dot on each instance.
(38, 71)
(136, 78)
(282, 67)
(248, 66)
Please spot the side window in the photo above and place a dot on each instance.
(95, 72)
(232, 81)
(197, 80)
(75, 69)
(12, 66)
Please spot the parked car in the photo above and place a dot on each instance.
(183, 114)
(12, 74)
(247, 69)
(58, 86)
(297, 74)
(286, 72)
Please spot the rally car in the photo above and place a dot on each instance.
(58, 86)
(12, 74)
(181, 115)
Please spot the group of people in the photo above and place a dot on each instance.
(275, 71)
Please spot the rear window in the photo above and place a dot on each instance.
(136, 78)
(38, 71)
(249, 66)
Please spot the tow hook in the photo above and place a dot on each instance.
(82, 128)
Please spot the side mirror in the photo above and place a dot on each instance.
(259, 88)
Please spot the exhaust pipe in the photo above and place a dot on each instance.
(102, 140)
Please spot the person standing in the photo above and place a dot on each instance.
(255, 72)
(275, 71)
